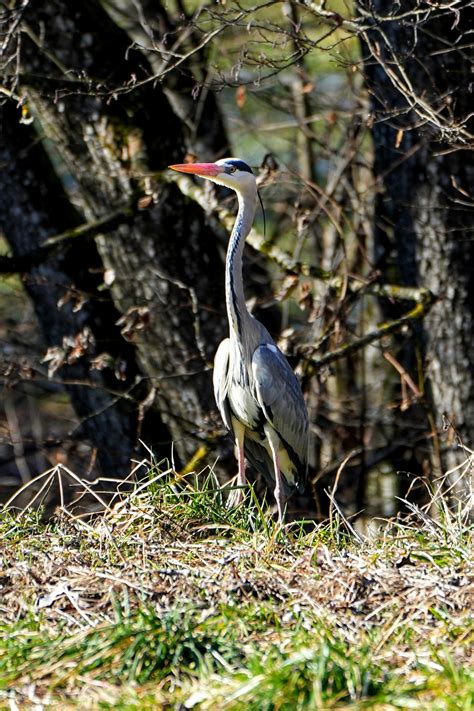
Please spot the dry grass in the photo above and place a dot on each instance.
(168, 599)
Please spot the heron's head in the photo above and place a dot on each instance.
(231, 172)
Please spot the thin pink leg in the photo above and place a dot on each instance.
(278, 493)
(236, 497)
(241, 478)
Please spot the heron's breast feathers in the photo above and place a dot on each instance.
(261, 391)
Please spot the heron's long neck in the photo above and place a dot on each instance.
(234, 288)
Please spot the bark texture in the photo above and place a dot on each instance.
(423, 162)
(164, 267)
(34, 206)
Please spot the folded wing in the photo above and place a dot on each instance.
(279, 395)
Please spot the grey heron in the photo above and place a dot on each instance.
(257, 393)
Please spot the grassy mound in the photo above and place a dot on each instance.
(167, 599)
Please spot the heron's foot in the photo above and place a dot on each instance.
(281, 504)
(236, 497)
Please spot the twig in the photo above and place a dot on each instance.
(422, 297)
(285, 261)
(419, 311)
(24, 262)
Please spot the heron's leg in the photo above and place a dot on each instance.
(238, 496)
(274, 442)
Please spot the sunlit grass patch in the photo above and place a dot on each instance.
(167, 597)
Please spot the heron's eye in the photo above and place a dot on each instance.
(232, 169)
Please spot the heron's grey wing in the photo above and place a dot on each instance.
(220, 378)
(279, 395)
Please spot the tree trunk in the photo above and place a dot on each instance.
(163, 266)
(34, 206)
(424, 217)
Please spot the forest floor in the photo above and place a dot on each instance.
(169, 600)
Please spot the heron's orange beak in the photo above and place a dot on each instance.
(206, 170)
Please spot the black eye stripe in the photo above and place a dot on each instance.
(239, 165)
